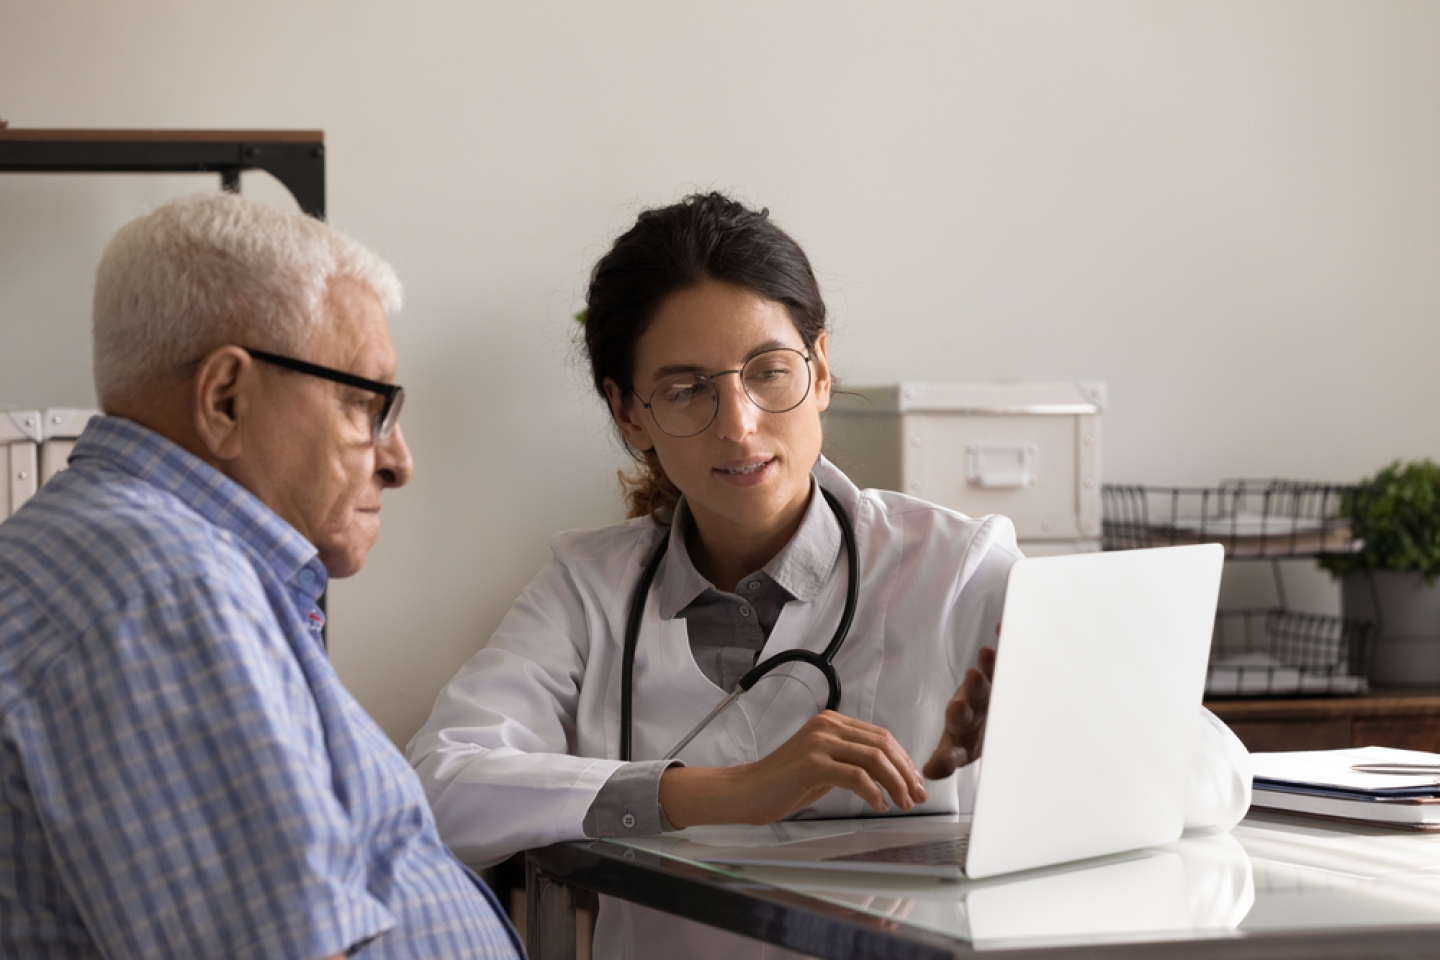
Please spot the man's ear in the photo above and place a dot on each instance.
(220, 400)
(635, 431)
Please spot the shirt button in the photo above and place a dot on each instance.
(629, 821)
(744, 611)
(307, 576)
(753, 584)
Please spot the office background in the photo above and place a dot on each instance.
(1228, 211)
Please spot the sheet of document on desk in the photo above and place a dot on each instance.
(1333, 770)
(697, 842)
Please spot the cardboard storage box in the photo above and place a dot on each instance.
(1030, 451)
(34, 446)
(20, 437)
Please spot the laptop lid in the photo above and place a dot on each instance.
(1094, 708)
(1091, 723)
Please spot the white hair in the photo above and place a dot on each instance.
(211, 269)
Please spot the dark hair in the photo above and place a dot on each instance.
(706, 236)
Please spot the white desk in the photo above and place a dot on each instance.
(1278, 886)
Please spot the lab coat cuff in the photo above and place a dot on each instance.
(629, 802)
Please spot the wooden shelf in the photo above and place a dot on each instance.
(55, 134)
(1405, 717)
(294, 157)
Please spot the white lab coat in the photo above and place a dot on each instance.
(527, 732)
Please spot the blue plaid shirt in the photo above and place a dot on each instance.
(181, 772)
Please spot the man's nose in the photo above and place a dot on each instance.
(393, 462)
(737, 414)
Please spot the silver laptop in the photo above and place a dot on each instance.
(1093, 717)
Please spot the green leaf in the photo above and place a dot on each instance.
(1397, 513)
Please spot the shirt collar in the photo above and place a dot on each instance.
(140, 452)
(801, 567)
(678, 581)
(808, 560)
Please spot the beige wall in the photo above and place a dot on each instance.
(1229, 211)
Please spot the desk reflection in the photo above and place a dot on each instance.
(1311, 873)
(1201, 886)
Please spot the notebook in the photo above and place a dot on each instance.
(1093, 717)
(1345, 784)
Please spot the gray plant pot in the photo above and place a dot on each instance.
(1407, 646)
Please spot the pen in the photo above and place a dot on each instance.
(1399, 769)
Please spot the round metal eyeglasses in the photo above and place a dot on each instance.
(685, 404)
(390, 397)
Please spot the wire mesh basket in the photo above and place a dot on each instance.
(1276, 652)
(1269, 652)
(1250, 518)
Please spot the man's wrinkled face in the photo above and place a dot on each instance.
(309, 454)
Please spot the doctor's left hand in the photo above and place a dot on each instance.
(831, 750)
(965, 714)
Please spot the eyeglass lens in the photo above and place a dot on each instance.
(775, 381)
(384, 422)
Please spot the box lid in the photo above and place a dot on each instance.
(66, 423)
(1082, 398)
(21, 425)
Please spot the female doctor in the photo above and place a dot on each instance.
(705, 332)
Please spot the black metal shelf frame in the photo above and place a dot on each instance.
(295, 158)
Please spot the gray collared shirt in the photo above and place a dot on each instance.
(727, 632)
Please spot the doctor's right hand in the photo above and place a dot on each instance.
(831, 750)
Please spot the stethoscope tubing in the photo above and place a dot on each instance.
(823, 661)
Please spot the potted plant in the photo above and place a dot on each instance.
(1392, 580)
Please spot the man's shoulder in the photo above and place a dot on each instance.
(98, 518)
(92, 542)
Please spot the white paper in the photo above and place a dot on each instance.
(1331, 768)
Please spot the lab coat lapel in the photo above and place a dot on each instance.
(784, 709)
(789, 695)
(780, 704)
(672, 696)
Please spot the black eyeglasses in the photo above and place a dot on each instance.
(382, 421)
(685, 404)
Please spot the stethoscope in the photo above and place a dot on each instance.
(823, 661)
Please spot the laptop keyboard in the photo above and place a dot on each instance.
(936, 853)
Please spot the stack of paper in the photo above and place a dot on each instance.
(1259, 535)
(1374, 784)
(1262, 675)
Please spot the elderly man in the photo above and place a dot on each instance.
(181, 773)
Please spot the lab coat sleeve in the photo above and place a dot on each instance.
(1220, 778)
(495, 756)
(979, 597)
(1219, 881)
